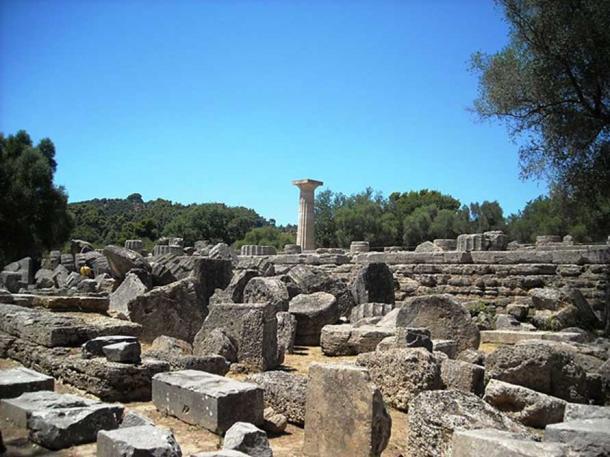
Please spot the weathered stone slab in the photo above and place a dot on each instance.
(263, 290)
(435, 415)
(124, 352)
(516, 336)
(122, 260)
(81, 303)
(373, 283)
(313, 311)
(586, 438)
(52, 330)
(131, 287)
(143, 440)
(365, 310)
(576, 411)
(524, 405)
(18, 410)
(286, 331)
(444, 316)
(62, 428)
(346, 339)
(284, 392)
(94, 347)
(247, 438)
(109, 381)
(252, 328)
(498, 443)
(212, 401)
(348, 421)
(542, 366)
(16, 381)
(174, 310)
(401, 374)
(463, 376)
(403, 257)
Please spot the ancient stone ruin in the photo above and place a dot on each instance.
(463, 348)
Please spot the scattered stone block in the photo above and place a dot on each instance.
(518, 311)
(586, 438)
(434, 415)
(284, 392)
(274, 422)
(170, 345)
(133, 419)
(428, 246)
(448, 347)
(349, 340)
(235, 290)
(143, 440)
(373, 283)
(472, 242)
(516, 336)
(576, 411)
(542, 366)
(350, 421)
(126, 352)
(63, 421)
(121, 260)
(251, 328)
(313, 311)
(267, 290)
(247, 438)
(94, 347)
(498, 443)
(463, 376)
(524, 405)
(212, 401)
(16, 381)
(313, 279)
(365, 310)
(286, 331)
(131, 287)
(444, 316)
(401, 374)
(80, 303)
(472, 356)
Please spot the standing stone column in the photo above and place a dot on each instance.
(305, 232)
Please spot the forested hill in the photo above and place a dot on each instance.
(105, 221)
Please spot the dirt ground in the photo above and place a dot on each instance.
(195, 439)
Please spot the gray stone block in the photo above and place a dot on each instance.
(94, 347)
(587, 437)
(133, 419)
(143, 440)
(125, 352)
(577, 411)
(249, 439)
(211, 401)
(252, 328)
(498, 443)
(16, 381)
(284, 392)
(345, 413)
(59, 429)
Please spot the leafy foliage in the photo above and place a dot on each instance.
(269, 236)
(551, 86)
(33, 211)
(404, 219)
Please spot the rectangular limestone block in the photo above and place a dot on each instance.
(205, 399)
(18, 410)
(498, 443)
(345, 415)
(16, 381)
(585, 437)
(515, 336)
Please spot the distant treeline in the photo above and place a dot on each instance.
(402, 219)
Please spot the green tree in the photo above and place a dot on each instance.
(33, 210)
(268, 236)
(551, 86)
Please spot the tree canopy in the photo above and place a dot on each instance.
(33, 210)
(551, 86)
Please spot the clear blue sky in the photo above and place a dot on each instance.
(198, 101)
